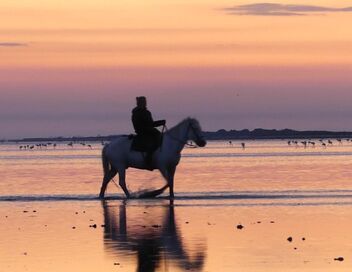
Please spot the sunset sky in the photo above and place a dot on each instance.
(74, 68)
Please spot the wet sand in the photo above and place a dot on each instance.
(156, 235)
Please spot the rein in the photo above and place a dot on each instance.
(177, 139)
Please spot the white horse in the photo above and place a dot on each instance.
(117, 156)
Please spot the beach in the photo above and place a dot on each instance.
(267, 207)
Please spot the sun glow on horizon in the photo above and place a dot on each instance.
(53, 48)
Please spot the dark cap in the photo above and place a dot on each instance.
(141, 98)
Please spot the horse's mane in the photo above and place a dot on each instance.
(193, 121)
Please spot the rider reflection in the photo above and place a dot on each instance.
(154, 245)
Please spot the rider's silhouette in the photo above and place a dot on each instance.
(144, 126)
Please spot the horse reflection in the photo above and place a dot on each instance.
(154, 245)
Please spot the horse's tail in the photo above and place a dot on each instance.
(105, 161)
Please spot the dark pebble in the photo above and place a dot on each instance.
(156, 226)
(73, 227)
(187, 222)
(272, 222)
(116, 263)
(240, 226)
(34, 211)
(258, 222)
(93, 226)
(103, 226)
(295, 248)
(340, 259)
(25, 211)
(289, 239)
(303, 239)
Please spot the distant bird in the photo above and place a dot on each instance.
(304, 143)
(330, 142)
(243, 145)
(89, 146)
(339, 140)
(289, 142)
(70, 144)
(230, 143)
(323, 144)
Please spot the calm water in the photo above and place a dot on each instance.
(51, 219)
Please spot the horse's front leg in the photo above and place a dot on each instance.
(169, 173)
(107, 177)
(122, 181)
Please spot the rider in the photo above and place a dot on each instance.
(144, 125)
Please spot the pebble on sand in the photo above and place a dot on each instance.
(340, 259)
(240, 226)
(289, 239)
(156, 226)
(93, 226)
(116, 263)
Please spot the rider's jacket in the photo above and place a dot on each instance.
(143, 122)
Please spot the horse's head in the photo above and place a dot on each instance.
(195, 132)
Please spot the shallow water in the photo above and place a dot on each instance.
(49, 205)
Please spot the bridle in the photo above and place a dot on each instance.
(190, 126)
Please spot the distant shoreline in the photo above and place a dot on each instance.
(222, 134)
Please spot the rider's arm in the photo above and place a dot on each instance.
(159, 123)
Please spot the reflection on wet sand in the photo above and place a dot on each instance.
(154, 245)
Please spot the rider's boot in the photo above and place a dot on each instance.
(149, 161)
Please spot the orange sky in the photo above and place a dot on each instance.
(56, 46)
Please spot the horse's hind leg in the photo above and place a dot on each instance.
(107, 177)
(122, 181)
